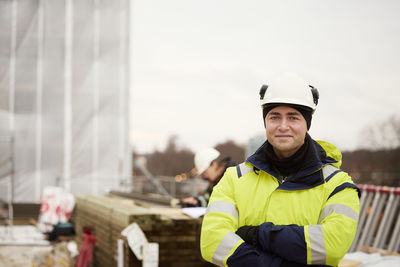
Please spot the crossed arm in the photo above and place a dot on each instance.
(225, 243)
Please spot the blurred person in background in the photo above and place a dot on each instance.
(210, 168)
(289, 204)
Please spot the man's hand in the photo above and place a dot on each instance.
(249, 234)
(189, 201)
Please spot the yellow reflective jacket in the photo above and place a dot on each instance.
(310, 218)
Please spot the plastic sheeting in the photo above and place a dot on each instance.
(64, 92)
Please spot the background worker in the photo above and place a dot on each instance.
(289, 204)
(210, 168)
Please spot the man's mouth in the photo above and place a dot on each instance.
(283, 136)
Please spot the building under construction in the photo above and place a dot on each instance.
(64, 113)
(64, 96)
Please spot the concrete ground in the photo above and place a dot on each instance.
(20, 256)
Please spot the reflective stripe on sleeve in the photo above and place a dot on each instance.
(224, 248)
(339, 209)
(223, 207)
(242, 169)
(317, 244)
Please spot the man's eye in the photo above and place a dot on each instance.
(294, 118)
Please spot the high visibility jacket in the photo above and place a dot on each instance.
(310, 218)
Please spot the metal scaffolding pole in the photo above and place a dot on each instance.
(96, 97)
(11, 106)
(67, 93)
(39, 97)
(125, 157)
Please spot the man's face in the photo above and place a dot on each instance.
(211, 173)
(286, 129)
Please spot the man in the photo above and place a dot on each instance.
(288, 204)
(211, 169)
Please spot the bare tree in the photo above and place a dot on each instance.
(232, 150)
(377, 161)
(172, 161)
(382, 135)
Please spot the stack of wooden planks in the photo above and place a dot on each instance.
(178, 235)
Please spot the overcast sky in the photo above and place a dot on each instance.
(197, 67)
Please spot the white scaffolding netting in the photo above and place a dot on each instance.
(64, 113)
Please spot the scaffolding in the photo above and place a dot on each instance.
(64, 97)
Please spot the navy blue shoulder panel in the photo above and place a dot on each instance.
(330, 160)
(242, 169)
(343, 186)
(332, 174)
(239, 172)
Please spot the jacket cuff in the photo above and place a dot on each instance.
(248, 255)
(266, 235)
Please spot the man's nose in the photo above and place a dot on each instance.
(283, 126)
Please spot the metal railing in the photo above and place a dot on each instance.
(189, 187)
(379, 220)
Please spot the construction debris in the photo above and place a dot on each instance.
(25, 245)
(22, 235)
(58, 256)
(20, 256)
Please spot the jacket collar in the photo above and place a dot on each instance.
(310, 175)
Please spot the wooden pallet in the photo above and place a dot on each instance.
(178, 235)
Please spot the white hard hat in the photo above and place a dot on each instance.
(203, 159)
(289, 89)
